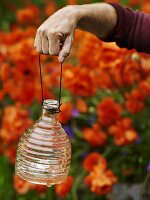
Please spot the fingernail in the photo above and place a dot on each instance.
(38, 50)
(61, 59)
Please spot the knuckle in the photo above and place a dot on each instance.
(53, 53)
(66, 53)
(53, 33)
(39, 50)
(45, 52)
(38, 30)
(42, 32)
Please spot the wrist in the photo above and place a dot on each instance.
(74, 12)
(98, 18)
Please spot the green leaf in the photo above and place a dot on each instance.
(61, 3)
(35, 110)
(40, 3)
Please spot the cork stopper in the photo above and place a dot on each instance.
(51, 105)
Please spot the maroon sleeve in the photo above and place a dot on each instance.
(132, 30)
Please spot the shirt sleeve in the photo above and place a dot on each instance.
(132, 29)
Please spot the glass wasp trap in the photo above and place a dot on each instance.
(145, 194)
(44, 150)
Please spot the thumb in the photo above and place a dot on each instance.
(66, 48)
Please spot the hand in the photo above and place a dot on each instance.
(55, 35)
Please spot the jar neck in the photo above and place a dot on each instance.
(49, 113)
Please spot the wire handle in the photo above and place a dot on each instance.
(60, 86)
(41, 82)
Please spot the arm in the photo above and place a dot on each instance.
(132, 29)
(110, 22)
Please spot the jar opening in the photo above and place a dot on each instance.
(51, 105)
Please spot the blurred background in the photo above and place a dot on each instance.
(105, 106)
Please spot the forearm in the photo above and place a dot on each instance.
(132, 29)
(99, 18)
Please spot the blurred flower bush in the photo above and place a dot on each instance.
(105, 110)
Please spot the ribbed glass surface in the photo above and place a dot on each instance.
(145, 194)
(44, 152)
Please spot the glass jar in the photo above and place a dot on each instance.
(44, 150)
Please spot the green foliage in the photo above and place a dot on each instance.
(35, 110)
(7, 16)
(6, 172)
(40, 3)
(61, 3)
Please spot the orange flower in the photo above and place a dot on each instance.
(15, 122)
(10, 153)
(26, 91)
(146, 7)
(145, 65)
(144, 86)
(125, 73)
(122, 74)
(95, 136)
(104, 82)
(21, 186)
(17, 35)
(123, 69)
(40, 188)
(80, 81)
(29, 14)
(5, 72)
(22, 92)
(100, 179)
(22, 83)
(2, 93)
(130, 71)
(64, 188)
(123, 132)
(24, 73)
(108, 111)
(81, 105)
(96, 54)
(135, 101)
(1, 149)
(133, 2)
(92, 46)
(72, 2)
(66, 111)
(50, 8)
(23, 53)
(93, 159)
(1, 55)
(145, 1)
(12, 37)
(78, 37)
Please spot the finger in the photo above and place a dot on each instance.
(45, 48)
(38, 42)
(54, 44)
(66, 48)
(35, 40)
